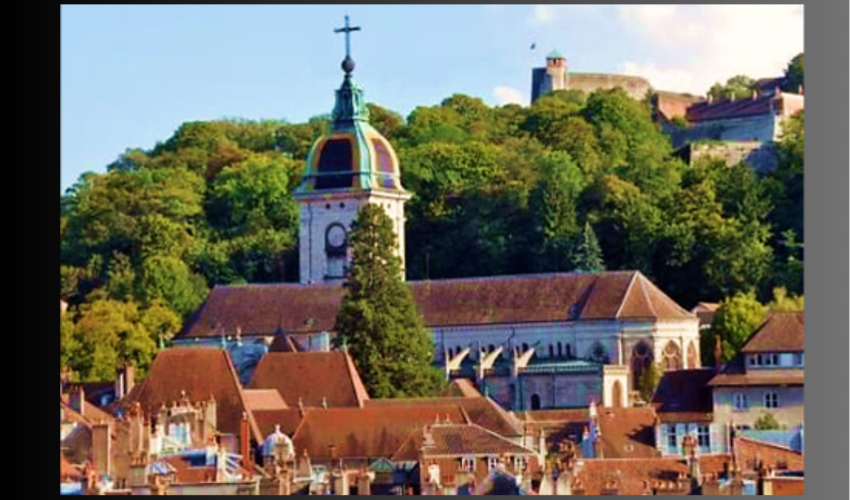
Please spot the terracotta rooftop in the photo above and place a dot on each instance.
(684, 396)
(782, 104)
(627, 432)
(201, 372)
(270, 309)
(673, 104)
(288, 420)
(376, 432)
(311, 379)
(481, 411)
(469, 439)
(638, 476)
(263, 399)
(735, 374)
(705, 311)
(750, 452)
(781, 332)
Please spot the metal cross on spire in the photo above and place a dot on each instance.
(347, 30)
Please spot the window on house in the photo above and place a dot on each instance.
(775, 358)
(467, 464)
(740, 401)
(560, 351)
(704, 437)
(771, 400)
(752, 360)
(672, 439)
(798, 359)
(551, 351)
(519, 463)
(492, 463)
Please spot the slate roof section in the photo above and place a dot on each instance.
(277, 308)
(311, 379)
(684, 396)
(781, 332)
(366, 433)
(200, 371)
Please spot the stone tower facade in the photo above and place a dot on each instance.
(553, 77)
(351, 166)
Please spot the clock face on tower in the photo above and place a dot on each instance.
(336, 236)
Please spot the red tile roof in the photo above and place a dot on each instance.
(288, 420)
(637, 476)
(788, 486)
(781, 332)
(268, 309)
(760, 378)
(671, 104)
(67, 470)
(783, 103)
(311, 378)
(481, 411)
(684, 396)
(705, 311)
(750, 452)
(627, 432)
(376, 432)
(185, 473)
(200, 372)
(263, 399)
(469, 439)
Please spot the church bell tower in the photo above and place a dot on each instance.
(349, 167)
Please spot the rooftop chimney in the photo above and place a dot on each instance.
(800, 89)
(244, 443)
(101, 437)
(755, 94)
(78, 401)
(129, 378)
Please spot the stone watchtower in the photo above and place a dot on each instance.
(351, 166)
(553, 77)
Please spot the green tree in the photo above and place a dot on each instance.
(69, 346)
(649, 380)
(766, 422)
(387, 123)
(794, 74)
(554, 203)
(588, 258)
(783, 302)
(735, 321)
(160, 322)
(388, 341)
(738, 87)
(168, 279)
(110, 334)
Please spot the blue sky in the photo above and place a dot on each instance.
(130, 75)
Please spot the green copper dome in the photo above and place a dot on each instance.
(555, 55)
(353, 156)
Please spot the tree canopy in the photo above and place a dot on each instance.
(522, 189)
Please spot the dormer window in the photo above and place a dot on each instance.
(492, 463)
(467, 464)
